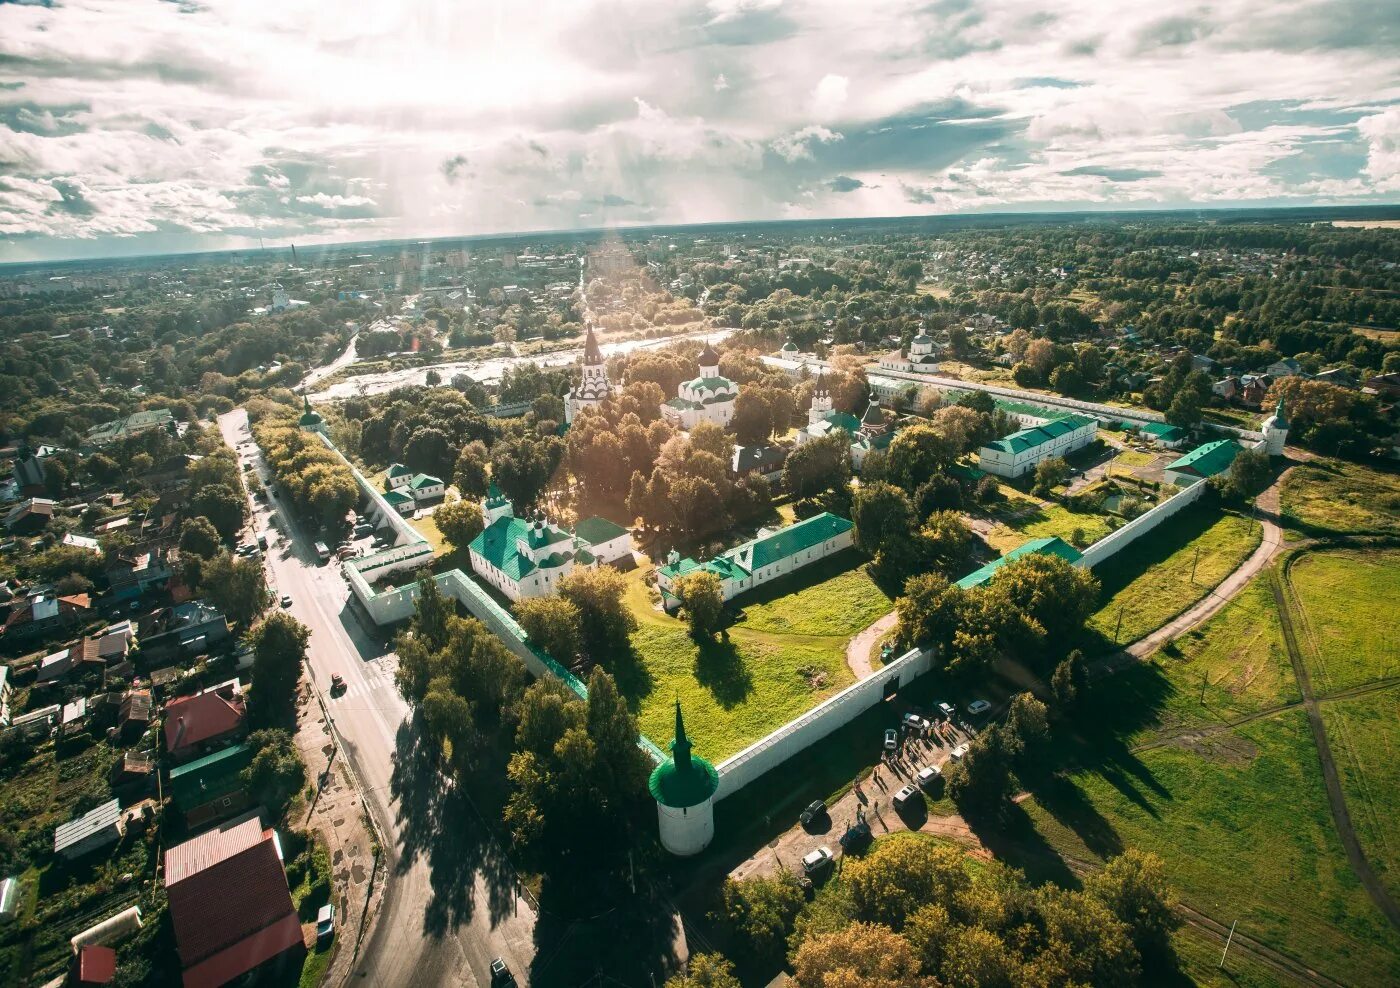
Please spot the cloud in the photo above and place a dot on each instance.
(202, 125)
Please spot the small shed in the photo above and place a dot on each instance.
(96, 828)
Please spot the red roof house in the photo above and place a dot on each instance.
(229, 902)
(203, 722)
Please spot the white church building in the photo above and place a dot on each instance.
(594, 386)
(920, 358)
(707, 398)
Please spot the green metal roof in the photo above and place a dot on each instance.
(709, 384)
(596, 530)
(399, 470)
(1207, 460)
(1053, 546)
(840, 420)
(1039, 435)
(1162, 430)
(209, 777)
(395, 498)
(424, 480)
(496, 544)
(795, 538)
(685, 779)
(683, 404)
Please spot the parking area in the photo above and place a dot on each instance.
(903, 790)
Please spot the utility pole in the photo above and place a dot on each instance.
(1119, 627)
(1227, 943)
(1194, 562)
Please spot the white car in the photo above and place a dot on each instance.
(927, 776)
(905, 795)
(286, 600)
(978, 707)
(946, 709)
(815, 861)
(957, 753)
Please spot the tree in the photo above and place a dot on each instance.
(760, 912)
(1248, 475)
(977, 956)
(235, 586)
(604, 621)
(279, 646)
(1050, 473)
(470, 472)
(1185, 409)
(916, 454)
(1069, 683)
(882, 516)
(705, 971)
(199, 537)
(275, 772)
(819, 465)
(225, 508)
(1054, 596)
(863, 955)
(980, 784)
(449, 724)
(1134, 888)
(432, 379)
(753, 416)
(459, 522)
(702, 600)
(1029, 723)
(1067, 379)
(901, 874)
(552, 624)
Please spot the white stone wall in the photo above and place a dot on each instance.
(1141, 525)
(796, 735)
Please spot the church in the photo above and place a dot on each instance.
(707, 398)
(921, 358)
(871, 432)
(594, 387)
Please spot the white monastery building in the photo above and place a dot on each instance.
(707, 398)
(1019, 452)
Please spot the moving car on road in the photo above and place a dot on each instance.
(286, 600)
(337, 684)
(500, 974)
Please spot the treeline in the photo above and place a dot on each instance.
(315, 482)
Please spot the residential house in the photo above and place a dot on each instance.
(1226, 388)
(397, 477)
(1385, 385)
(426, 488)
(1254, 388)
(1018, 453)
(132, 425)
(134, 714)
(97, 828)
(766, 460)
(93, 965)
(82, 542)
(229, 902)
(30, 516)
(42, 614)
(210, 788)
(1338, 376)
(403, 503)
(1200, 362)
(208, 721)
(1287, 367)
(188, 628)
(763, 559)
(1163, 434)
(136, 571)
(1202, 462)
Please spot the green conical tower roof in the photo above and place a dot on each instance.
(685, 779)
(1280, 420)
(308, 417)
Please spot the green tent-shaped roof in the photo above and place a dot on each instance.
(308, 417)
(684, 779)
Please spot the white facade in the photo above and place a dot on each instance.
(686, 830)
(707, 398)
(594, 386)
(1019, 452)
(920, 359)
(1275, 429)
(427, 489)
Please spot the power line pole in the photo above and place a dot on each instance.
(1228, 940)
(1194, 562)
(1119, 627)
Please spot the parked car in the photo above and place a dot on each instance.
(856, 838)
(500, 974)
(904, 796)
(927, 776)
(325, 923)
(818, 860)
(815, 810)
(914, 722)
(978, 707)
(891, 739)
(946, 709)
(957, 753)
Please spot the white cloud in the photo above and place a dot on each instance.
(1382, 134)
(798, 144)
(829, 98)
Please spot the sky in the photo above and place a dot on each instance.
(145, 126)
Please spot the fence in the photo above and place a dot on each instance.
(1143, 523)
(796, 735)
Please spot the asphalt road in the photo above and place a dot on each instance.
(449, 905)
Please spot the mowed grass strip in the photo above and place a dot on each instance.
(1351, 624)
(1245, 830)
(1326, 496)
(1151, 580)
(1045, 522)
(788, 655)
(1364, 735)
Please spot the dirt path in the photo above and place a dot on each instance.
(1341, 816)
(858, 648)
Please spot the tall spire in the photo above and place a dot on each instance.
(820, 386)
(591, 353)
(680, 747)
(305, 403)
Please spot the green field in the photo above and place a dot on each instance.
(1150, 581)
(1326, 496)
(1232, 666)
(1364, 734)
(1244, 827)
(1350, 625)
(787, 655)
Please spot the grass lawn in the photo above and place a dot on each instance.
(1364, 733)
(1332, 496)
(1245, 831)
(787, 655)
(426, 526)
(1350, 625)
(1150, 581)
(1044, 522)
(1134, 458)
(1232, 666)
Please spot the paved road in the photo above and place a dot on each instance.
(317, 374)
(448, 907)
